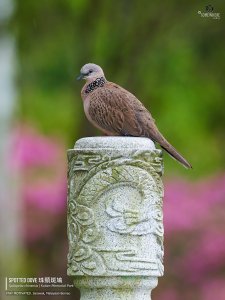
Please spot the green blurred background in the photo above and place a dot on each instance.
(173, 60)
(165, 53)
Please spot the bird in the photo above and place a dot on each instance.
(117, 112)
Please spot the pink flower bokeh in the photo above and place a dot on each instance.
(187, 204)
(31, 149)
(41, 162)
(194, 221)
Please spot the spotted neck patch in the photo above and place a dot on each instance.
(98, 82)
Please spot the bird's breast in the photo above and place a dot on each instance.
(86, 103)
(86, 110)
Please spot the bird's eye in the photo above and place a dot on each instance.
(90, 71)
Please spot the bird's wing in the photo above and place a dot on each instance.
(117, 111)
(111, 107)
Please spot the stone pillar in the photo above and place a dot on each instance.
(115, 227)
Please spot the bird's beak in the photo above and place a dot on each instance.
(81, 76)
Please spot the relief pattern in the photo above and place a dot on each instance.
(97, 183)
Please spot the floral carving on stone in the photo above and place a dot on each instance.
(115, 213)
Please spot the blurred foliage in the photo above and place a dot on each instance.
(165, 53)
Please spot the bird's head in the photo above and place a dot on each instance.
(90, 72)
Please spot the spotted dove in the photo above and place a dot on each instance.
(115, 111)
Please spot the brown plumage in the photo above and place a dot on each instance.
(115, 111)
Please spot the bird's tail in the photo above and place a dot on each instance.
(175, 154)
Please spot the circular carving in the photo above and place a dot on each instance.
(128, 192)
(119, 175)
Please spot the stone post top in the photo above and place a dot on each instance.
(115, 142)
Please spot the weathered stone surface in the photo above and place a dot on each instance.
(115, 225)
(116, 288)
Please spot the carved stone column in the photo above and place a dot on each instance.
(115, 227)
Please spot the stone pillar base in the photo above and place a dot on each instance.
(115, 227)
(116, 288)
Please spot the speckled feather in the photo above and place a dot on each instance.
(115, 111)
